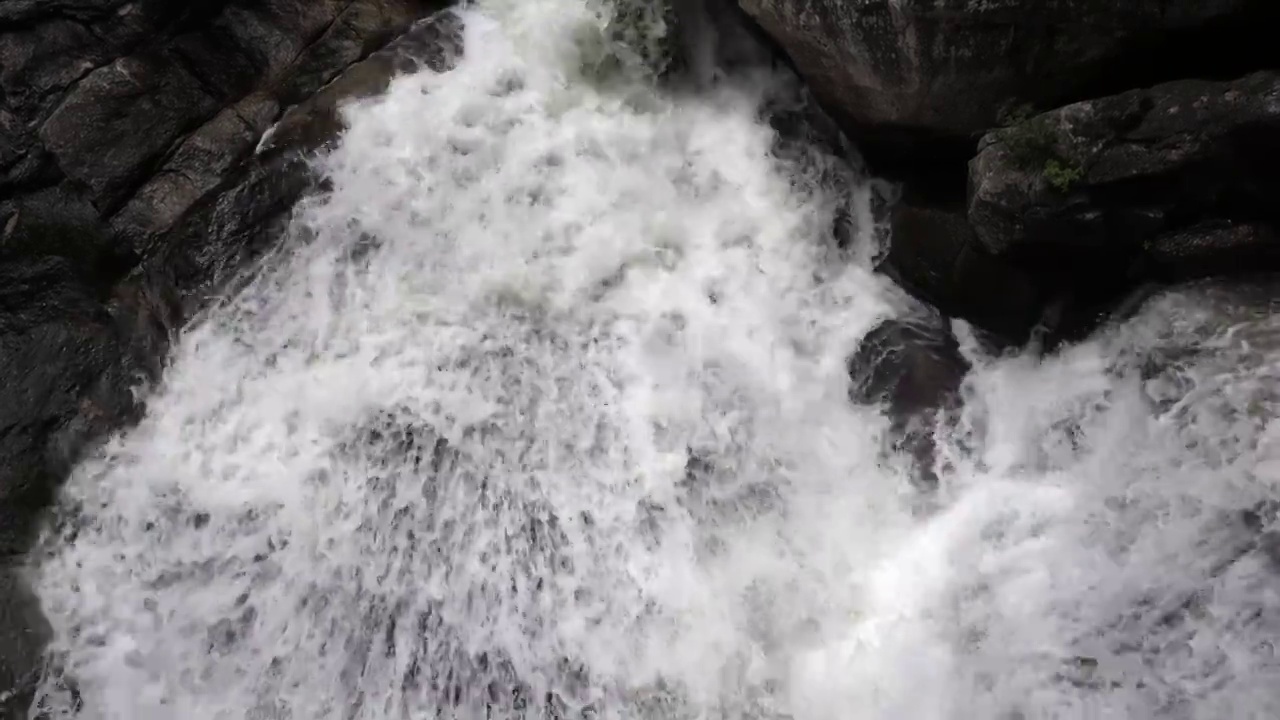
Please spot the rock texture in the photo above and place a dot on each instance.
(913, 368)
(132, 185)
(934, 254)
(1175, 181)
(1074, 209)
(1054, 219)
(900, 73)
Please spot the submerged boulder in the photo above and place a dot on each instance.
(913, 368)
(934, 253)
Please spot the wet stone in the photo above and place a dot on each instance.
(913, 368)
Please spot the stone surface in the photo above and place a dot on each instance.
(901, 74)
(1165, 184)
(310, 124)
(130, 193)
(934, 254)
(22, 633)
(120, 119)
(1071, 211)
(913, 368)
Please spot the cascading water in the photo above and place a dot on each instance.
(542, 412)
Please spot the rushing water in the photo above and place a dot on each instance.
(542, 413)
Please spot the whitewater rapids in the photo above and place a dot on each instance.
(542, 411)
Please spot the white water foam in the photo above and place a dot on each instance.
(545, 415)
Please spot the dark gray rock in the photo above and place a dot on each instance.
(913, 368)
(431, 43)
(23, 632)
(120, 119)
(130, 194)
(901, 74)
(715, 38)
(934, 254)
(1166, 184)
(238, 220)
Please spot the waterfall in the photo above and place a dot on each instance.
(541, 410)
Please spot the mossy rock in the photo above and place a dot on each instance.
(1033, 145)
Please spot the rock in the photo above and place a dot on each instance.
(713, 38)
(120, 119)
(431, 43)
(912, 78)
(1166, 184)
(913, 367)
(242, 217)
(196, 167)
(131, 193)
(934, 254)
(23, 633)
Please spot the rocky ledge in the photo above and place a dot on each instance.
(1070, 211)
(1057, 157)
(134, 181)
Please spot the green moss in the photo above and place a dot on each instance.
(1033, 146)
(1030, 143)
(1062, 176)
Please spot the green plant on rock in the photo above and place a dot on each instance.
(1061, 175)
(1033, 147)
(1030, 142)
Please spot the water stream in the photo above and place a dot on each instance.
(542, 412)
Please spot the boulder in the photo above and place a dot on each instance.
(909, 79)
(913, 368)
(934, 254)
(1166, 184)
(131, 190)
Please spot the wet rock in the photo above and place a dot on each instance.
(130, 193)
(121, 118)
(23, 633)
(913, 368)
(431, 43)
(714, 38)
(933, 253)
(909, 78)
(1171, 183)
(196, 167)
(1068, 211)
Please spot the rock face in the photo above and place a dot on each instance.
(1063, 213)
(1163, 185)
(130, 189)
(899, 73)
(934, 254)
(1071, 211)
(1176, 181)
